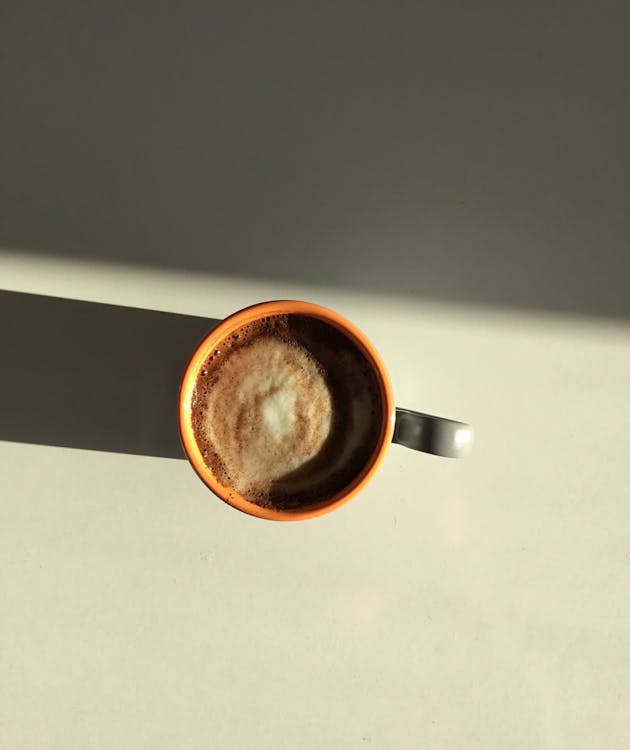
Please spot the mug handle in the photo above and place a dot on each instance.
(424, 432)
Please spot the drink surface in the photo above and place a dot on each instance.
(286, 411)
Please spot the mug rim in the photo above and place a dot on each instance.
(248, 315)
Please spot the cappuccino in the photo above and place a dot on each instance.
(286, 411)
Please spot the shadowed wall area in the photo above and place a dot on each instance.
(469, 152)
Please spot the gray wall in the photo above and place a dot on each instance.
(459, 151)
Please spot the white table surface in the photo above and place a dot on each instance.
(465, 204)
(478, 603)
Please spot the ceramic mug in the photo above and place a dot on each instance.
(423, 432)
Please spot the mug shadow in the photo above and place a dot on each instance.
(93, 376)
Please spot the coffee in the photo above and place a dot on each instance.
(286, 411)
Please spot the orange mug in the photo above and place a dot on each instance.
(423, 432)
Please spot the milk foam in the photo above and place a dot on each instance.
(269, 413)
